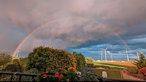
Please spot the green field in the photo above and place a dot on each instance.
(111, 73)
(109, 65)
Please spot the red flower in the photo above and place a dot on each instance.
(60, 77)
(44, 75)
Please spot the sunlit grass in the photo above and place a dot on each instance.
(109, 65)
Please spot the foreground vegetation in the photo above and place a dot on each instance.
(46, 61)
(45, 58)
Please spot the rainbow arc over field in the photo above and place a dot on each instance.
(49, 22)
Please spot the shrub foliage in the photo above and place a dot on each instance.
(141, 62)
(45, 58)
(80, 60)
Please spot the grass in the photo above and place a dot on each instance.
(110, 65)
(111, 73)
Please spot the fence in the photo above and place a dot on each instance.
(13, 75)
(16, 76)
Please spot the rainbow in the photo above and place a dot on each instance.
(46, 23)
(33, 31)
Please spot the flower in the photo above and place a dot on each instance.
(70, 75)
(60, 77)
(56, 75)
(44, 74)
(79, 74)
(72, 69)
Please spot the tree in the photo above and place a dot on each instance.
(89, 61)
(12, 68)
(45, 58)
(80, 59)
(21, 63)
(4, 58)
(141, 62)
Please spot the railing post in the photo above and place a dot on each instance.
(11, 79)
(20, 76)
(33, 78)
(0, 76)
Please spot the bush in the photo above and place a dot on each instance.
(4, 58)
(89, 61)
(89, 74)
(142, 73)
(141, 62)
(80, 60)
(45, 58)
(61, 75)
(12, 68)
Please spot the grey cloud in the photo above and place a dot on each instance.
(70, 23)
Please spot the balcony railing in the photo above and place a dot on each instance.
(16, 76)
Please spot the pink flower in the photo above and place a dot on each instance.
(56, 75)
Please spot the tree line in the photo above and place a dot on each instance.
(44, 58)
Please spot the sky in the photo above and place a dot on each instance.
(85, 26)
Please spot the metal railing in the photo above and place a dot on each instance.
(16, 76)
(11, 76)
